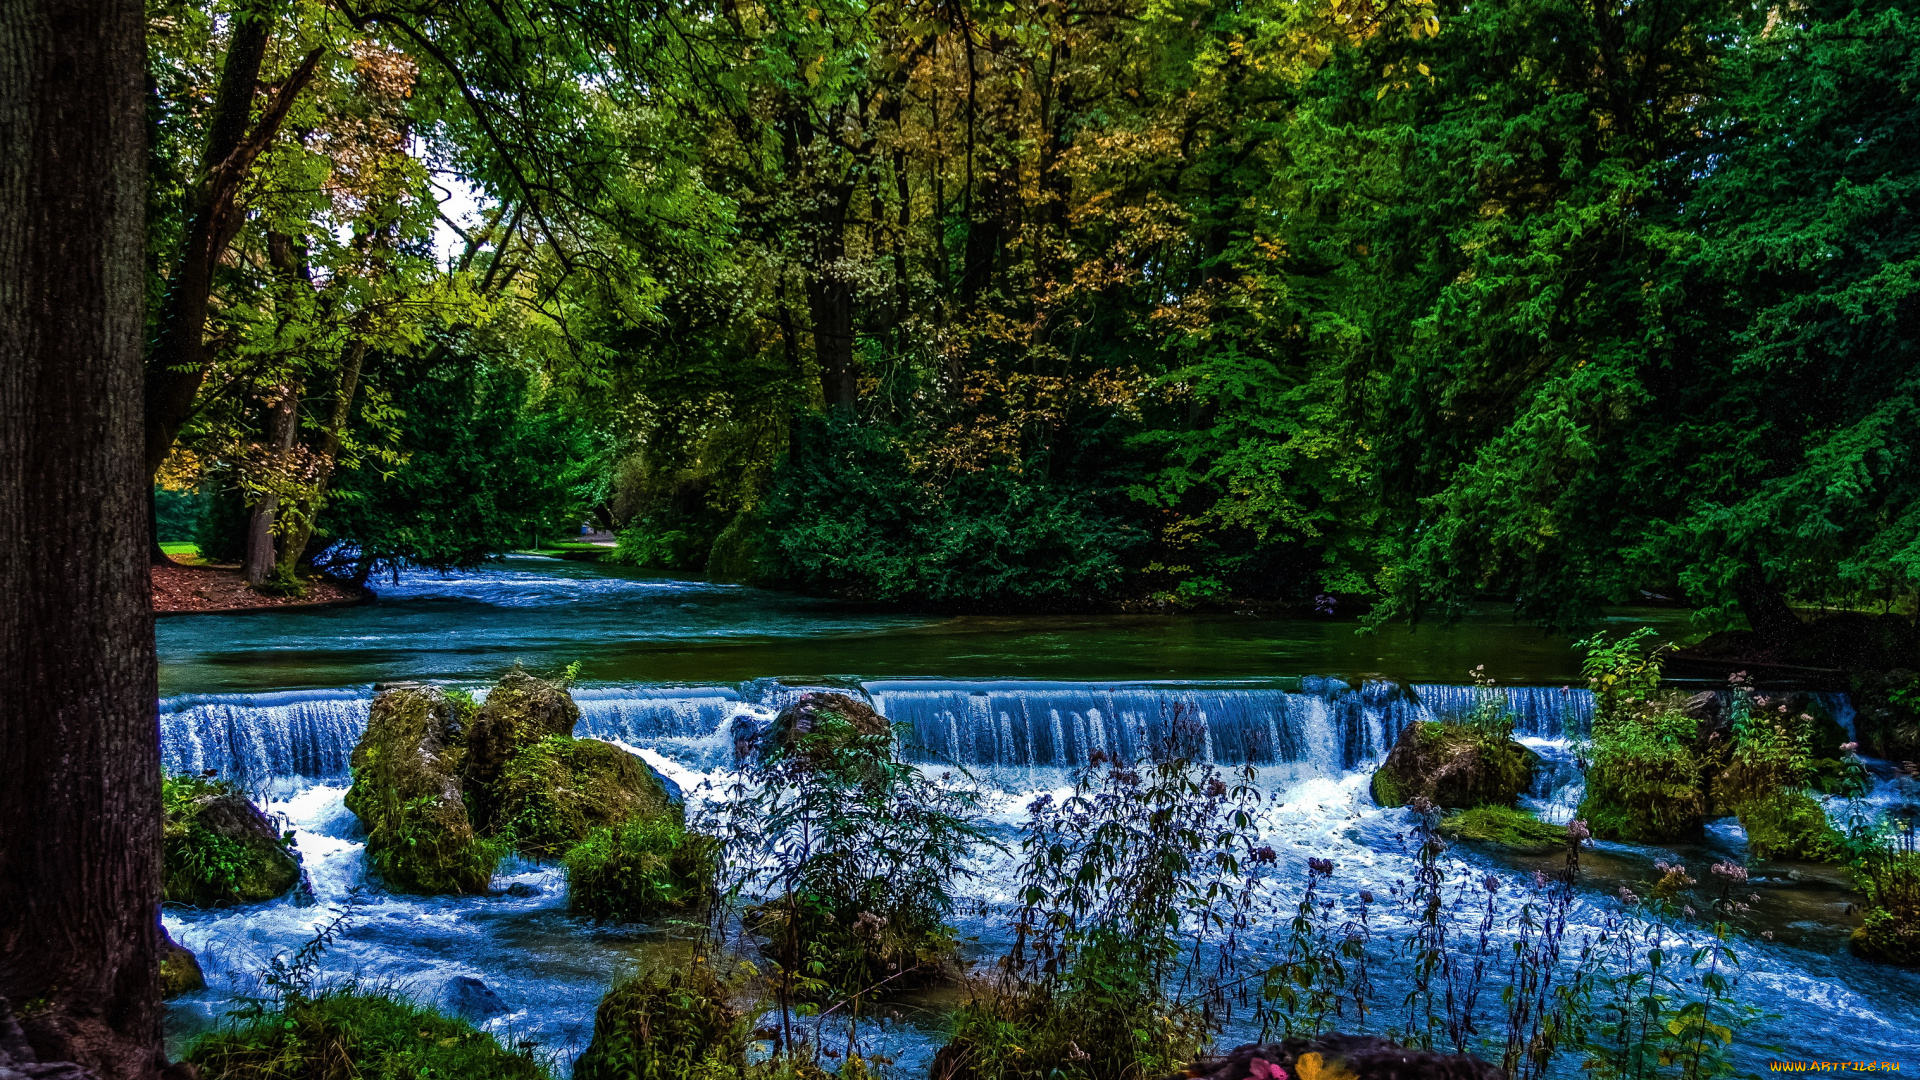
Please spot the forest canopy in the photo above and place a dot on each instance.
(1049, 304)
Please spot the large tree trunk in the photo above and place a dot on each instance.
(830, 302)
(79, 740)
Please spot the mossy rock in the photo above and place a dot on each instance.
(519, 711)
(1788, 825)
(1453, 766)
(218, 849)
(665, 1027)
(552, 794)
(1514, 830)
(179, 968)
(821, 725)
(406, 792)
(1888, 937)
(348, 1033)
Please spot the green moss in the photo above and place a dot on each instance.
(406, 791)
(1386, 790)
(179, 969)
(217, 849)
(519, 711)
(552, 794)
(1788, 825)
(673, 1027)
(1515, 830)
(643, 868)
(347, 1033)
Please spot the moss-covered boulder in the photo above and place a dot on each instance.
(179, 968)
(666, 1027)
(1498, 826)
(1453, 765)
(821, 725)
(218, 849)
(552, 794)
(519, 711)
(1889, 937)
(406, 792)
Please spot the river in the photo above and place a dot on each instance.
(276, 700)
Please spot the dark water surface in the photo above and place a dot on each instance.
(625, 626)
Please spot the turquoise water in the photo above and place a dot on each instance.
(624, 626)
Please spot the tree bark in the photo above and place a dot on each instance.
(283, 421)
(79, 738)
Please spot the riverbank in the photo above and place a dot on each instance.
(183, 589)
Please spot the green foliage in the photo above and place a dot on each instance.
(1644, 767)
(1769, 781)
(488, 465)
(848, 515)
(850, 853)
(1131, 890)
(678, 1026)
(176, 513)
(640, 869)
(209, 867)
(349, 1031)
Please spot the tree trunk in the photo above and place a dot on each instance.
(283, 420)
(1766, 610)
(79, 738)
(301, 530)
(830, 303)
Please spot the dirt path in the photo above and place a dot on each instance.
(218, 588)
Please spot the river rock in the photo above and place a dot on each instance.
(555, 792)
(1454, 767)
(520, 711)
(179, 969)
(468, 997)
(815, 712)
(406, 792)
(218, 849)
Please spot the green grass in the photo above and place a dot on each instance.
(180, 548)
(353, 1033)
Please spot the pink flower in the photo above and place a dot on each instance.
(1849, 747)
(1262, 1069)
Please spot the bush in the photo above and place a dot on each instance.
(1643, 775)
(1769, 780)
(353, 1033)
(1787, 825)
(847, 515)
(674, 1027)
(1887, 872)
(640, 869)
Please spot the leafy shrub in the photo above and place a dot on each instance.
(852, 853)
(673, 1027)
(1769, 779)
(349, 1032)
(1120, 884)
(635, 871)
(847, 515)
(1643, 775)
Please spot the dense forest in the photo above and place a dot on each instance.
(1399, 304)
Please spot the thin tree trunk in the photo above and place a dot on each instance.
(296, 535)
(1766, 610)
(282, 422)
(80, 803)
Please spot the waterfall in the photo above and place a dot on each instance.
(1303, 727)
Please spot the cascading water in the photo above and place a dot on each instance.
(1313, 740)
